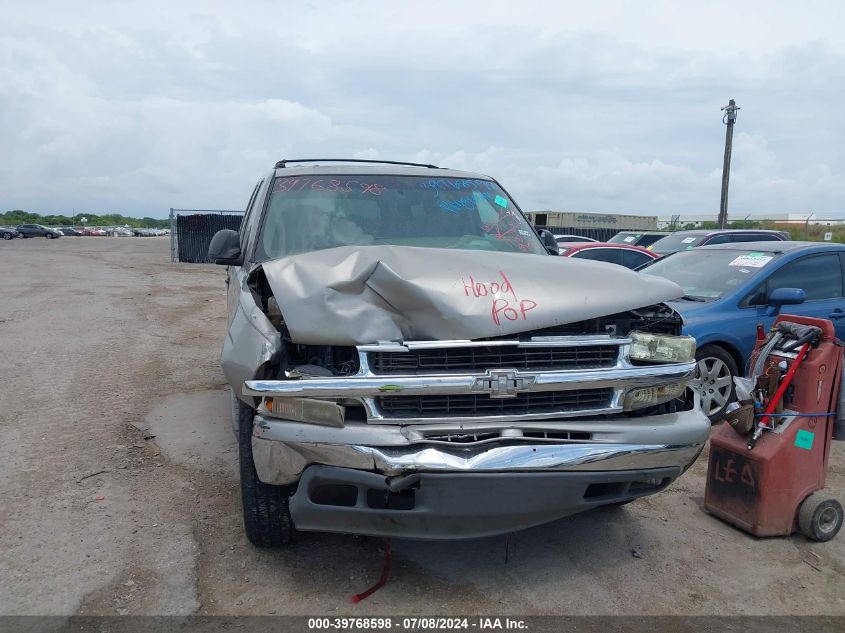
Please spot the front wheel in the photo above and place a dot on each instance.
(715, 375)
(7, 236)
(267, 519)
(49, 236)
(23, 236)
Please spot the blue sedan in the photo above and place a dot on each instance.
(730, 288)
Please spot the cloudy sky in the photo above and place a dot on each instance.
(137, 107)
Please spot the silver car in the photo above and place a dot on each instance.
(410, 358)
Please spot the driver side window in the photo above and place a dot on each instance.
(248, 218)
(819, 276)
(248, 212)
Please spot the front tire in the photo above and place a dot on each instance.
(49, 236)
(715, 373)
(267, 519)
(7, 236)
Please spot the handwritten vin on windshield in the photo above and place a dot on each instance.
(505, 302)
(324, 184)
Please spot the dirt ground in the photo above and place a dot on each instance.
(104, 343)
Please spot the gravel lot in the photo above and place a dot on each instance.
(104, 343)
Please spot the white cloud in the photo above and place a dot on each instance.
(140, 106)
(370, 153)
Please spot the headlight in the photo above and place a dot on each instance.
(662, 348)
(650, 396)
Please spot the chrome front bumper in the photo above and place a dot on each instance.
(283, 449)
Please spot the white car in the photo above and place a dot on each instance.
(573, 238)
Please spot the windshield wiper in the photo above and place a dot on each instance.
(691, 298)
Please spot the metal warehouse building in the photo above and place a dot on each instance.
(600, 226)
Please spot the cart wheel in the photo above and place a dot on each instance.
(819, 517)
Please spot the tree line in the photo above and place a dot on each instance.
(13, 218)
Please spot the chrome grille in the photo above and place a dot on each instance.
(433, 406)
(505, 380)
(495, 357)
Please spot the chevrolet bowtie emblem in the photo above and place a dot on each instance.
(503, 383)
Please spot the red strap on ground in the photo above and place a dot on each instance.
(382, 581)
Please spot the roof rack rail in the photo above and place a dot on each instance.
(283, 163)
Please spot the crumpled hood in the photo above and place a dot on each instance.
(354, 295)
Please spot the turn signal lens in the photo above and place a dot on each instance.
(650, 396)
(306, 410)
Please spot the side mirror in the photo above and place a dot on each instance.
(780, 297)
(549, 241)
(225, 248)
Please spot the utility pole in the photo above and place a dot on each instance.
(728, 118)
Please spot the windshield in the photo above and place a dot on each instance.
(625, 238)
(318, 212)
(675, 243)
(708, 274)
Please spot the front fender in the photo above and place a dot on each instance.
(712, 331)
(251, 342)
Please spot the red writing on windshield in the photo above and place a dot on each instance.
(508, 229)
(505, 302)
(323, 184)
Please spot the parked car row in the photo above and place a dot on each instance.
(149, 232)
(52, 232)
(636, 248)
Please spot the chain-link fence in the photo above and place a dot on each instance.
(191, 231)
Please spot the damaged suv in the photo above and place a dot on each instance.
(409, 358)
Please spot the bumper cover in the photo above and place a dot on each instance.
(434, 506)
